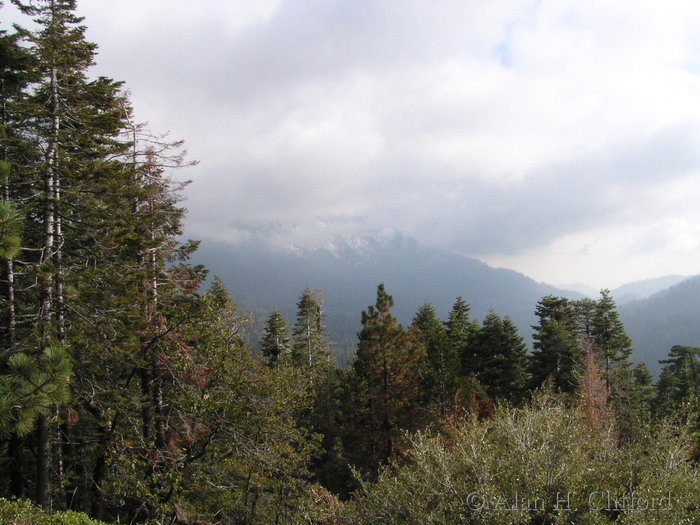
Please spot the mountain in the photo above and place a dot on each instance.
(667, 318)
(581, 288)
(642, 289)
(261, 278)
(633, 291)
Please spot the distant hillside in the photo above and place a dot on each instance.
(261, 279)
(642, 289)
(670, 317)
(633, 291)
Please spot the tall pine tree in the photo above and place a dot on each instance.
(503, 367)
(386, 382)
(275, 343)
(557, 354)
(310, 347)
(442, 363)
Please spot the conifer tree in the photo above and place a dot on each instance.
(678, 387)
(387, 382)
(442, 374)
(310, 347)
(642, 396)
(460, 332)
(557, 353)
(11, 222)
(17, 72)
(612, 345)
(149, 395)
(593, 395)
(502, 353)
(57, 124)
(275, 343)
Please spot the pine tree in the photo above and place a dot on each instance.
(387, 384)
(442, 375)
(502, 353)
(241, 450)
(612, 345)
(557, 354)
(460, 333)
(56, 124)
(275, 343)
(310, 347)
(17, 72)
(32, 387)
(678, 387)
(11, 222)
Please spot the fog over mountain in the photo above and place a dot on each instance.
(632, 291)
(557, 138)
(262, 278)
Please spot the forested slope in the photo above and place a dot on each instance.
(667, 318)
(263, 278)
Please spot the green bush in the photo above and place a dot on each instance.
(22, 512)
(543, 464)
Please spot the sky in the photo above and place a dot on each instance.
(559, 138)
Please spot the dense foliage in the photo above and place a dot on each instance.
(544, 463)
(22, 512)
(128, 392)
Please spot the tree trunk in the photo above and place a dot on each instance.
(42, 467)
(47, 282)
(16, 466)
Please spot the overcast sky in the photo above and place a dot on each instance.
(560, 138)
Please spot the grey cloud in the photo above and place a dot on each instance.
(442, 120)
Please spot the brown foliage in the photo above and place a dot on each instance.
(593, 395)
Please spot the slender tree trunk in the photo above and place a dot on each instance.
(47, 282)
(159, 415)
(15, 445)
(16, 466)
(10, 315)
(386, 423)
(42, 467)
(98, 473)
(59, 299)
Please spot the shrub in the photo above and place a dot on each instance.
(22, 512)
(542, 464)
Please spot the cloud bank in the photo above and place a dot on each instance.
(559, 138)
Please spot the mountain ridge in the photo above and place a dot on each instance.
(666, 318)
(262, 278)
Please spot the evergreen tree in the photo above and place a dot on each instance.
(585, 314)
(144, 294)
(636, 409)
(386, 380)
(59, 121)
(164, 396)
(592, 391)
(460, 332)
(310, 347)
(17, 71)
(557, 353)
(612, 345)
(442, 374)
(502, 353)
(678, 387)
(275, 343)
